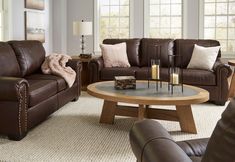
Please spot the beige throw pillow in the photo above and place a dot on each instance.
(115, 55)
(203, 57)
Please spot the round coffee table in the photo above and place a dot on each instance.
(144, 97)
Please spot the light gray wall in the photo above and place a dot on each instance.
(78, 10)
(138, 19)
(60, 26)
(192, 19)
(16, 22)
(84, 9)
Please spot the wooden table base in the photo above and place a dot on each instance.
(182, 114)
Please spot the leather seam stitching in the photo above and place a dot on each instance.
(22, 51)
(191, 147)
(142, 152)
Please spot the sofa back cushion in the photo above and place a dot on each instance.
(184, 47)
(132, 49)
(30, 55)
(150, 49)
(8, 62)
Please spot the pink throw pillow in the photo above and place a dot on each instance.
(115, 55)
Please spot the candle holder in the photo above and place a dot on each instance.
(175, 73)
(154, 66)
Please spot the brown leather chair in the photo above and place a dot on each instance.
(28, 97)
(150, 142)
(138, 50)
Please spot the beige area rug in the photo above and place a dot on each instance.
(74, 134)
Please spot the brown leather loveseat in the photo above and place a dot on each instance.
(138, 51)
(150, 142)
(27, 97)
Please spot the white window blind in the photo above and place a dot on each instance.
(112, 20)
(163, 18)
(219, 23)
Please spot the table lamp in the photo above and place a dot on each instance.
(82, 28)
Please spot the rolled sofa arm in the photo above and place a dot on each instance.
(151, 142)
(222, 68)
(222, 72)
(76, 65)
(14, 106)
(95, 66)
(11, 88)
(195, 147)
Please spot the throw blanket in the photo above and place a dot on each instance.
(56, 64)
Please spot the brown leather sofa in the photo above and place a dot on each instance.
(27, 97)
(150, 142)
(138, 51)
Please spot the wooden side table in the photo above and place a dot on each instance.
(85, 72)
(231, 93)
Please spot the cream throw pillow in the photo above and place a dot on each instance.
(203, 57)
(115, 55)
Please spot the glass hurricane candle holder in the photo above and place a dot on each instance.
(175, 76)
(155, 69)
(175, 73)
(154, 64)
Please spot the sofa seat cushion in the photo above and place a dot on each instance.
(191, 76)
(40, 90)
(199, 77)
(61, 84)
(110, 73)
(142, 73)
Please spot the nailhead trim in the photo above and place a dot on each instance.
(20, 103)
(26, 106)
(20, 98)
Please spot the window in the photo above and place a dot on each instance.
(112, 19)
(163, 18)
(219, 23)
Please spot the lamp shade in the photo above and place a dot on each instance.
(82, 28)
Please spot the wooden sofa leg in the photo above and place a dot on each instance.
(17, 137)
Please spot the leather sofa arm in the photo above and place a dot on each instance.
(195, 147)
(14, 106)
(11, 88)
(222, 72)
(220, 66)
(151, 142)
(76, 65)
(95, 66)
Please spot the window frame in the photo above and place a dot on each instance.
(96, 23)
(201, 29)
(147, 18)
(2, 27)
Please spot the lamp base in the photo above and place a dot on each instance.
(86, 56)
